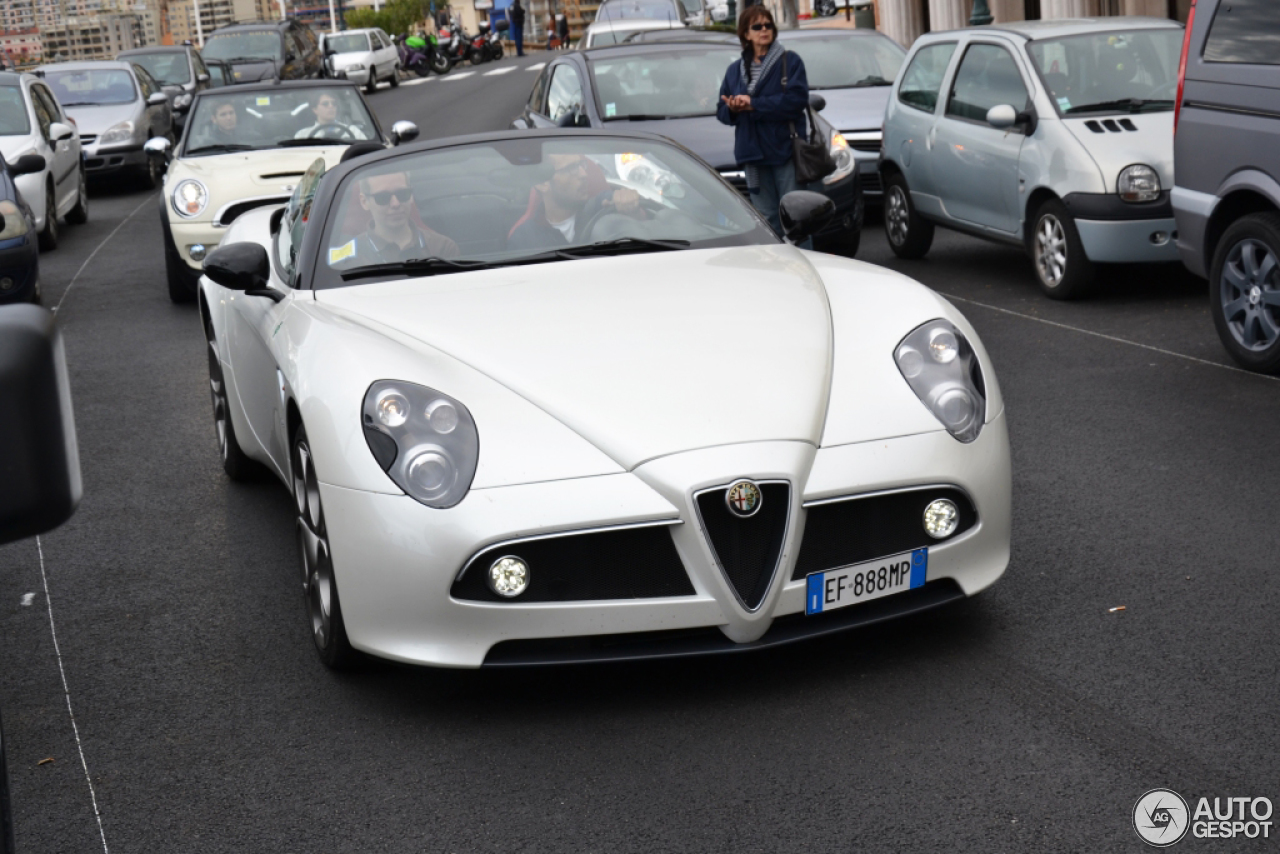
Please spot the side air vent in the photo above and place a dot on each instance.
(747, 549)
(1110, 124)
(1128, 125)
(1094, 126)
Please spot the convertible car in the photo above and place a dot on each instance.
(563, 396)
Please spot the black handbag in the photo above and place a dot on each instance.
(811, 156)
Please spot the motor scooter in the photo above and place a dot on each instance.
(420, 55)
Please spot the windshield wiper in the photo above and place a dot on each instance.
(236, 59)
(637, 117)
(79, 103)
(873, 80)
(1133, 105)
(617, 246)
(418, 267)
(221, 148)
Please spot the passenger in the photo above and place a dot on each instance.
(327, 124)
(559, 206)
(392, 234)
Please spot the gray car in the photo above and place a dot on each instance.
(179, 70)
(1052, 135)
(117, 107)
(1227, 197)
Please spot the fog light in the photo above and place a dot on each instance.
(508, 576)
(197, 251)
(941, 518)
(1159, 238)
(6, 284)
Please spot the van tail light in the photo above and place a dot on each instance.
(1182, 65)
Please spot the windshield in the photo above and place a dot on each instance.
(89, 88)
(1135, 70)
(841, 61)
(13, 112)
(665, 84)
(169, 69)
(527, 201)
(229, 119)
(655, 10)
(264, 45)
(347, 42)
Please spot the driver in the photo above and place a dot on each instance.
(223, 128)
(559, 206)
(393, 235)
(327, 124)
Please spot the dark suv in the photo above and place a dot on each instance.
(266, 50)
(179, 70)
(1227, 171)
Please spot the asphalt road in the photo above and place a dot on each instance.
(1028, 718)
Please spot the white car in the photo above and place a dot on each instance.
(606, 32)
(362, 56)
(245, 147)
(562, 395)
(32, 122)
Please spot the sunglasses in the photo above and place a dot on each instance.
(759, 27)
(383, 198)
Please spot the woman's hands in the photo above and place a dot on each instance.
(737, 103)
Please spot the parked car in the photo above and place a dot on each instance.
(672, 12)
(651, 430)
(673, 88)
(1052, 135)
(854, 71)
(362, 56)
(179, 70)
(1227, 194)
(618, 30)
(266, 50)
(117, 107)
(32, 122)
(19, 249)
(246, 147)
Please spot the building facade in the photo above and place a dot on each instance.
(21, 47)
(905, 20)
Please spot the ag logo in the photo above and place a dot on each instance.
(743, 498)
(1161, 818)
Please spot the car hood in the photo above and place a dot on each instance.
(855, 109)
(703, 135)
(13, 147)
(249, 72)
(1151, 142)
(93, 121)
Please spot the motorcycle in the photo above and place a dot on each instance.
(479, 52)
(422, 56)
(459, 47)
(493, 41)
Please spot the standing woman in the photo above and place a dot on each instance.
(762, 110)
(516, 14)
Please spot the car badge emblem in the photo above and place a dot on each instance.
(743, 498)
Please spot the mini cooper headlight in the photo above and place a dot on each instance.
(1138, 183)
(843, 157)
(190, 198)
(15, 223)
(942, 369)
(120, 132)
(425, 441)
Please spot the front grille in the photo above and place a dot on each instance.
(865, 144)
(228, 214)
(870, 182)
(617, 563)
(747, 549)
(86, 138)
(841, 533)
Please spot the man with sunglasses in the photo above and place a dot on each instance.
(560, 206)
(394, 234)
(327, 125)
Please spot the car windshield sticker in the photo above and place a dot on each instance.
(1064, 104)
(264, 101)
(343, 252)
(610, 110)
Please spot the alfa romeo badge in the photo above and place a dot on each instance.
(743, 498)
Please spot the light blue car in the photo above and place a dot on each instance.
(1053, 135)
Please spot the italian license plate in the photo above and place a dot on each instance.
(838, 588)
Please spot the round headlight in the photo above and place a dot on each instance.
(941, 518)
(392, 408)
(910, 362)
(190, 198)
(431, 473)
(954, 408)
(943, 346)
(1138, 183)
(508, 576)
(442, 416)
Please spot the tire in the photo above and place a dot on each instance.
(910, 235)
(182, 287)
(441, 64)
(497, 50)
(319, 584)
(79, 215)
(235, 463)
(395, 75)
(1244, 292)
(1062, 268)
(150, 175)
(476, 56)
(48, 237)
(372, 86)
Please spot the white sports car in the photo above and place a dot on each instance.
(563, 396)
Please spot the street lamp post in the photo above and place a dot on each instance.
(981, 14)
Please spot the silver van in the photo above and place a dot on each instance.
(1053, 135)
(1227, 197)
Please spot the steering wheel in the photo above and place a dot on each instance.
(342, 131)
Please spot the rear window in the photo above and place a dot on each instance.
(1246, 31)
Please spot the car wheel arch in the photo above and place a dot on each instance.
(1233, 206)
(1035, 201)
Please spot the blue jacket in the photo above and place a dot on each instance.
(762, 135)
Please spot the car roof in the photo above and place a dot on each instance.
(828, 32)
(88, 65)
(277, 85)
(157, 48)
(11, 78)
(352, 30)
(681, 34)
(1032, 30)
(632, 48)
(254, 25)
(599, 26)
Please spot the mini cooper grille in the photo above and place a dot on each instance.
(622, 563)
(229, 214)
(747, 549)
(846, 532)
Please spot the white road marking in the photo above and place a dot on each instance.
(1112, 338)
(537, 66)
(145, 202)
(495, 72)
(416, 81)
(67, 691)
(458, 76)
(27, 599)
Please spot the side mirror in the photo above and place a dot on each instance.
(157, 145)
(239, 267)
(155, 99)
(1002, 116)
(28, 164)
(817, 102)
(804, 214)
(202, 78)
(403, 131)
(40, 463)
(60, 131)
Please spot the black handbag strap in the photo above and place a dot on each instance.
(813, 124)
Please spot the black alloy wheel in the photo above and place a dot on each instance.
(48, 237)
(1244, 292)
(319, 585)
(910, 235)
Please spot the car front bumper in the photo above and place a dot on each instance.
(396, 560)
(1192, 210)
(187, 234)
(359, 78)
(107, 159)
(1129, 241)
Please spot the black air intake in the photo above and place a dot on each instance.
(747, 549)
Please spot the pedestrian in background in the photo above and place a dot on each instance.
(764, 97)
(551, 31)
(563, 29)
(516, 14)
